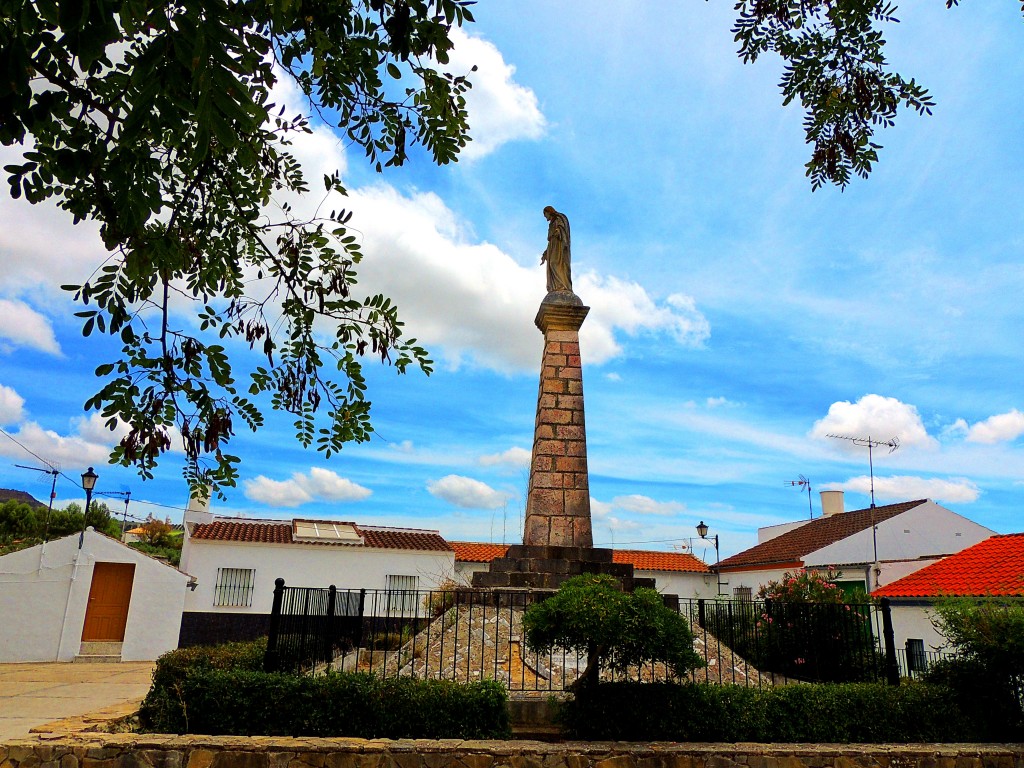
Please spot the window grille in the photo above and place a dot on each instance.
(402, 594)
(743, 593)
(234, 587)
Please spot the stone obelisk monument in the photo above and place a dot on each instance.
(558, 498)
(557, 538)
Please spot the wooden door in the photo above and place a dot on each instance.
(109, 596)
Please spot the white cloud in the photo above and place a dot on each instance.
(904, 488)
(1000, 428)
(322, 484)
(645, 505)
(513, 457)
(405, 446)
(11, 406)
(94, 429)
(467, 493)
(500, 110)
(457, 297)
(72, 450)
(599, 509)
(875, 416)
(24, 327)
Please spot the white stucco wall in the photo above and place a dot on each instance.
(305, 565)
(915, 621)
(44, 593)
(906, 542)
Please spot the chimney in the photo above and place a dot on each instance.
(831, 503)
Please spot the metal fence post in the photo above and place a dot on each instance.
(359, 632)
(272, 658)
(892, 670)
(701, 616)
(332, 597)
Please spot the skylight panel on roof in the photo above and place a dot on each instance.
(320, 530)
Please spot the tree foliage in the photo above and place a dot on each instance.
(23, 525)
(591, 614)
(155, 120)
(986, 671)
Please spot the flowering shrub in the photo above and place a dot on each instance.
(804, 627)
(805, 586)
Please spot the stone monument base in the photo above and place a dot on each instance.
(546, 568)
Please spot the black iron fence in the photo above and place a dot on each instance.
(471, 634)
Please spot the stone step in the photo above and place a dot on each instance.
(96, 658)
(111, 648)
(99, 653)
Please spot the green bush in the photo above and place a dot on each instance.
(986, 674)
(830, 713)
(233, 702)
(162, 709)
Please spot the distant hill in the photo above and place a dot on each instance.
(6, 494)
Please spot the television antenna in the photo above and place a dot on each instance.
(871, 444)
(803, 483)
(52, 470)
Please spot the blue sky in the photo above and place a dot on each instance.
(737, 317)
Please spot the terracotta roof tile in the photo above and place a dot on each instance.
(403, 538)
(244, 530)
(643, 560)
(480, 552)
(991, 568)
(477, 552)
(793, 545)
(264, 532)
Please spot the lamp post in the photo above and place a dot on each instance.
(702, 532)
(89, 479)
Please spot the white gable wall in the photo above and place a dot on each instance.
(924, 531)
(44, 592)
(307, 565)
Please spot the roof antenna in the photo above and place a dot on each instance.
(53, 470)
(892, 445)
(802, 483)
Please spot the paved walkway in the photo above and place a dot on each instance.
(32, 695)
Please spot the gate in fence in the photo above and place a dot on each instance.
(474, 634)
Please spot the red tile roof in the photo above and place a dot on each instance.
(479, 552)
(792, 546)
(244, 530)
(267, 532)
(476, 552)
(643, 560)
(991, 568)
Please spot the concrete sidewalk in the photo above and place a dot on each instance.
(32, 695)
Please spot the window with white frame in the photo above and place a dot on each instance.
(234, 587)
(402, 594)
(743, 593)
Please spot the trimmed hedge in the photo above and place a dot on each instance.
(222, 690)
(824, 713)
(220, 702)
(161, 710)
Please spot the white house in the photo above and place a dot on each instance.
(236, 562)
(675, 573)
(993, 568)
(88, 597)
(872, 547)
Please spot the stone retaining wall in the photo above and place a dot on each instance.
(156, 751)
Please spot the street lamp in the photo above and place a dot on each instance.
(702, 532)
(89, 479)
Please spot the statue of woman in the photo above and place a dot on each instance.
(557, 253)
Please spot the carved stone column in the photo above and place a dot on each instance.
(558, 499)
